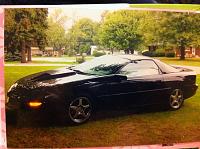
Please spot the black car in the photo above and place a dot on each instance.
(106, 81)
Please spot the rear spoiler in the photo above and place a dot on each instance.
(182, 68)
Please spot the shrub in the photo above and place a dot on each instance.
(12, 57)
(159, 54)
(80, 59)
(148, 53)
(98, 53)
(70, 53)
(170, 54)
(153, 54)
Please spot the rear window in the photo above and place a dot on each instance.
(140, 68)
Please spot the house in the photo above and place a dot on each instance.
(95, 48)
(48, 51)
(35, 51)
(189, 52)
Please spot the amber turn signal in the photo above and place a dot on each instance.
(34, 104)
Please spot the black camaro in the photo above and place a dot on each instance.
(110, 80)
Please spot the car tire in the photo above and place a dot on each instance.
(176, 99)
(80, 110)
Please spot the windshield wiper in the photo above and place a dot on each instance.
(77, 71)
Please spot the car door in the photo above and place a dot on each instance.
(144, 84)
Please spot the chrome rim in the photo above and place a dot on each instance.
(80, 110)
(176, 99)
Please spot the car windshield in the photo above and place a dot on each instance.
(103, 65)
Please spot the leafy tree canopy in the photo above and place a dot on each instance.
(120, 30)
(56, 36)
(25, 27)
(181, 30)
(81, 35)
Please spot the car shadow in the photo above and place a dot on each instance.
(121, 112)
(37, 119)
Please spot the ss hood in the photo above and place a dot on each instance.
(47, 75)
(49, 78)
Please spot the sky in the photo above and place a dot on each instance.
(92, 11)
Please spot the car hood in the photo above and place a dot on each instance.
(52, 77)
(48, 75)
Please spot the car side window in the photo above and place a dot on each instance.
(140, 68)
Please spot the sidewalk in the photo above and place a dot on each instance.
(54, 59)
(25, 64)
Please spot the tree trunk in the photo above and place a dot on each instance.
(125, 51)
(132, 51)
(112, 51)
(29, 53)
(23, 52)
(182, 51)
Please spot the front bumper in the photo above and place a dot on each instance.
(16, 109)
(19, 111)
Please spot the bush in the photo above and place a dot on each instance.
(159, 54)
(170, 54)
(153, 54)
(98, 53)
(80, 59)
(12, 57)
(147, 53)
(70, 53)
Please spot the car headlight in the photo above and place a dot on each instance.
(13, 86)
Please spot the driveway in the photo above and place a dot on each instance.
(32, 64)
(54, 59)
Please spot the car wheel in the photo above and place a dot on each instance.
(176, 99)
(80, 110)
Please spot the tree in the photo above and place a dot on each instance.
(57, 16)
(56, 36)
(120, 31)
(81, 35)
(149, 28)
(23, 28)
(181, 30)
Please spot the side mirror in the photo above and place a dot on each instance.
(120, 77)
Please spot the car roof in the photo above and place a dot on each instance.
(133, 57)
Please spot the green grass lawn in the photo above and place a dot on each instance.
(130, 129)
(168, 6)
(177, 61)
